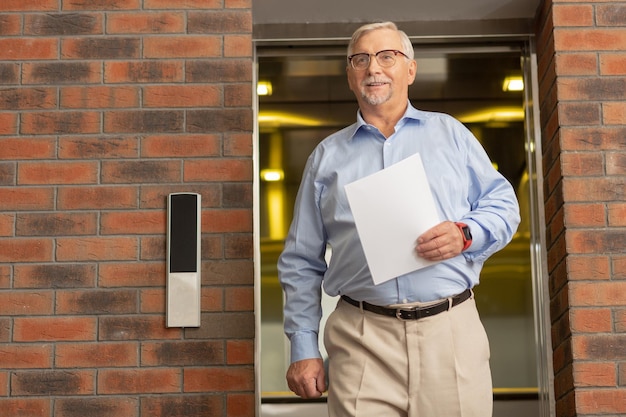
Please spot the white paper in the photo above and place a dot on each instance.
(391, 209)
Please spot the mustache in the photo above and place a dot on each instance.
(375, 80)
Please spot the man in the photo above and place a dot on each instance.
(414, 345)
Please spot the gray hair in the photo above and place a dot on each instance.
(407, 46)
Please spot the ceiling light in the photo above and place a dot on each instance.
(272, 175)
(264, 88)
(513, 84)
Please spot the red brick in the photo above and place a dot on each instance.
(577, 39)
(8, 124)
(101, 5)
(136, 222)
(620, 321)
(163, 22)
(617, 214)
(117, 328)
(25, 250)
(63, 24)
(613, 64)
(145, 274)
(218, 170)
(238, 144)
(143, 72)
(152, 300)
(53, 73)
(597, 293)
(140, 172)
(58, 173)
(237, 95)
(586, 267)
(239, 299)
(614, 113)
(611, 15)
(211, 299)
(99, 97)
(97, 198)
(582, 164)
(54, 329)
(96, 355)
(138, 381)
(182, 47)
(27, 148)
(577, 63)
(183, 405)
(19, 303)
(96, 407)
(101, 48)
(240, 405)
(182, 96)
(81, 302)
(55, 224)
(231, 220)
(182, 4)
(143, 121)
(26, 356)
(573, 15)
(98, 148)
(10, 25)
(182, 353)
(585, 215)
(27, 98)
(52, 382)
(591, 320)
(46, 123)
(54, 276)
(218, 379)
(26, 198)
(240, 352)
(96, 248)
(28, 48)
(619, 267)
(593, 138)
(238, 4)
(597, 374)
(221, 22)
(4, 384)
(601, 401)
(160, 146)
(592, 189)
(7, 224)
(237, 46)
(22, 407)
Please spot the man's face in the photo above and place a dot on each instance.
(376, 85)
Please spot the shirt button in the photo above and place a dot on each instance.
(405, 301)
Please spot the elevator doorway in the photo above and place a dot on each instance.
(304, 97)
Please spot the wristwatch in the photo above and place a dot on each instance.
(466, 233)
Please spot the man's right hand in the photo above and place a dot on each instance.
(306, 378)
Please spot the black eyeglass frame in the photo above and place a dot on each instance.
(369, 58)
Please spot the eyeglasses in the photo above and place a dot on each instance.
(385, 58)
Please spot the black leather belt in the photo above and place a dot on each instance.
(411, 313)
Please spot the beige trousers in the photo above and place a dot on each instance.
(383, 367)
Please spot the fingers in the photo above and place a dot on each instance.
(440, 242)
(306, 378)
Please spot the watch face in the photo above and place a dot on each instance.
(467, 233)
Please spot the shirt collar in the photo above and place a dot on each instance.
(410, 113)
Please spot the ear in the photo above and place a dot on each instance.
(412, 71)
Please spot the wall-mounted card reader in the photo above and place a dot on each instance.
(183, 260)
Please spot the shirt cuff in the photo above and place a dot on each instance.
(304, 346)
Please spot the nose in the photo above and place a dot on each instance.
(374, 66)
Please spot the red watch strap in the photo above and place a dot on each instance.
(467, 242)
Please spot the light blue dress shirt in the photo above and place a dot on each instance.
(465, 187)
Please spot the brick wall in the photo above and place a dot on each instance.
(582, 71)
(106, 107)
